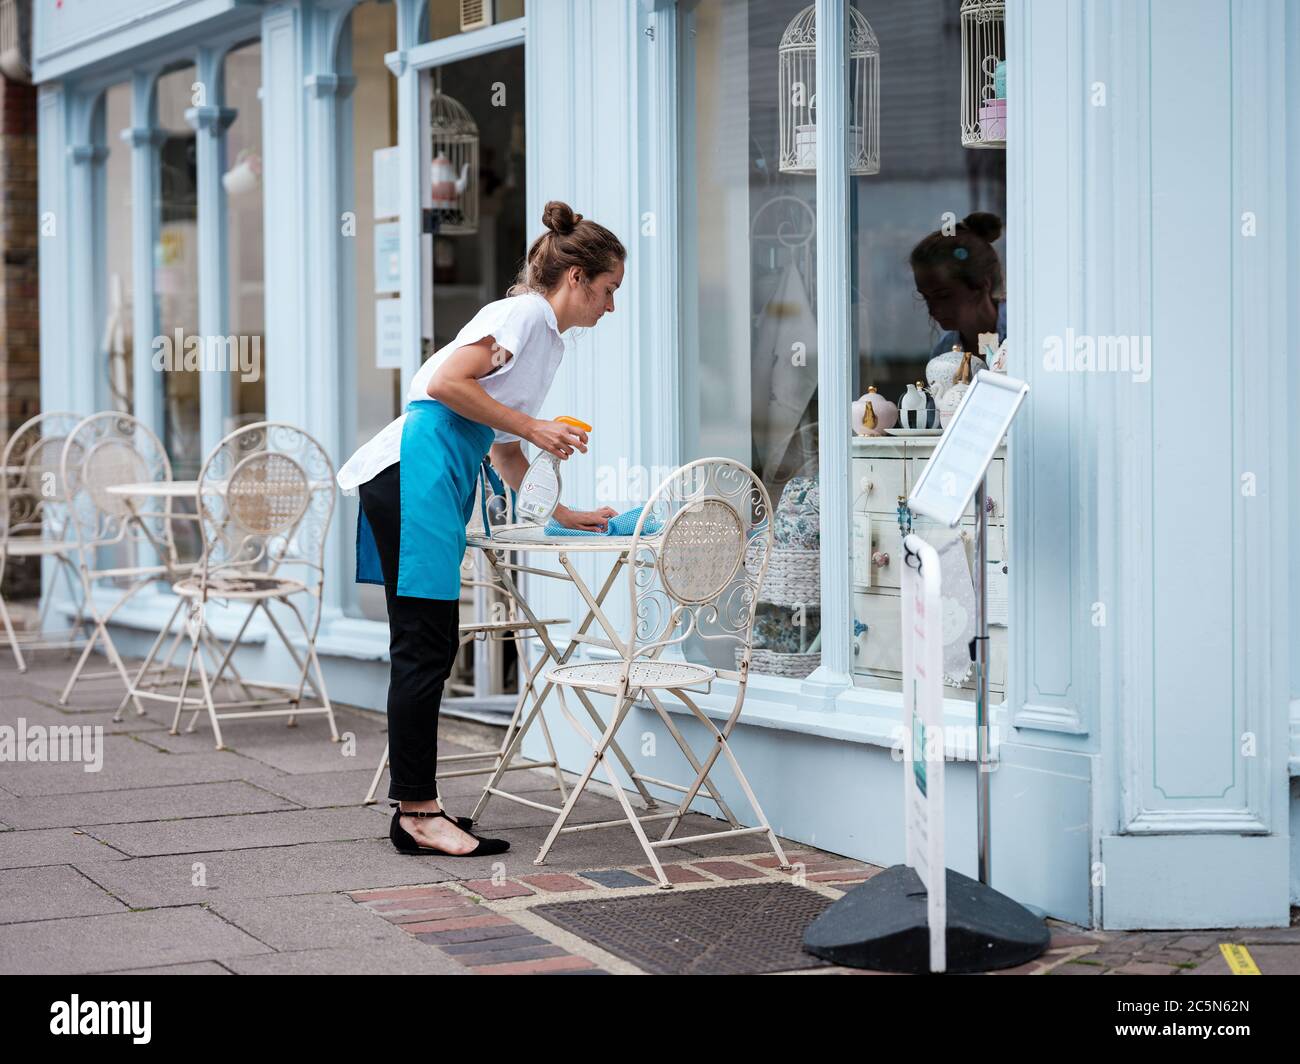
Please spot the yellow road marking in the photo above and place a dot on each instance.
(1238, 958)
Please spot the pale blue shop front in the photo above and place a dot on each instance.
(1149, 737)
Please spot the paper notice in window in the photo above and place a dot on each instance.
(995, 583)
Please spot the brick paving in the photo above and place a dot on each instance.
(178, 858)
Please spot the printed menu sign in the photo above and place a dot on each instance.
(955, 470)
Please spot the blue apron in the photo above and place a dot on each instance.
(440, 458)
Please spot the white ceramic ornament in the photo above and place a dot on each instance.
(873, 414)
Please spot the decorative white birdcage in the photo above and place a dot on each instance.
(983, 74)
(452, 192)
(798, 87)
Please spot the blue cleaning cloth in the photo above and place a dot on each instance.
(622, 525)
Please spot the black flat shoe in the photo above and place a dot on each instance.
(465, 823)
(405, 842)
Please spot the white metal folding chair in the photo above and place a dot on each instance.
(697, 562)
(266, 498)
(34, 524)
(103, 451)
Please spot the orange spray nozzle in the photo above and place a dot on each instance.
(574, 422)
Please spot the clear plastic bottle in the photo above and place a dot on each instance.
(539, 493)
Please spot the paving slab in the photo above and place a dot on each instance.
(310, 868)
(410, 957)
(197, 968)
(141, 804)
(307, 747)
(128, 763)
(288, 828)
(52, 846)
(311, 921)
(321, 790)
(121, 941)
(46, 893)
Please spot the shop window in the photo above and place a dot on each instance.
(242, 187)
(748, 256)
(115, 278)
(444, 18)
(176, 267)
(921, 284)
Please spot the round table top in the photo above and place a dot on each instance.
(526, 536)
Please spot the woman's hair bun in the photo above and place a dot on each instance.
(983, 224)
(559, 217)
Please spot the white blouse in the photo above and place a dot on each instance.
(525, 326)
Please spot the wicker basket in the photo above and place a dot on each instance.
(793, 577)
(774, 663)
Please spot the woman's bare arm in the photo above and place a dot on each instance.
(455, 385)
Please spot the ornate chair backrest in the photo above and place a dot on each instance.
(103, 451)
(266, 496)
(698, 558)
(32, 499)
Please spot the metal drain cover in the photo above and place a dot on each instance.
(719, 931)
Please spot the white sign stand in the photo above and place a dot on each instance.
(880, 924)
(923, 746)
(954, 473)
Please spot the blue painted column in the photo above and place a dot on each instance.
(210, 121)
(287, 364)
(326, 91)
(409, 139)
(834, 337)
(145, 140)
(79, 357)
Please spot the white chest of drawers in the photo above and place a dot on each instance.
(884, 468)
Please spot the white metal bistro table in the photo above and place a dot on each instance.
(532, 539)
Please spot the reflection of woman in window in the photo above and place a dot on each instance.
(959, 276)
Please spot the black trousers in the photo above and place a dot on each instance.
(423, 641)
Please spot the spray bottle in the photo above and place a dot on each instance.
(539, 494)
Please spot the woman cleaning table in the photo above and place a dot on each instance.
(476, 396)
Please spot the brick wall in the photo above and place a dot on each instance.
(20, 357)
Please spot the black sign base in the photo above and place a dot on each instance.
(881, 924)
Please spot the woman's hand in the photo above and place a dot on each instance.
(586, 520)
(557, 438)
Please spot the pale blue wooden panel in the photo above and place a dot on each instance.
(1194, 495)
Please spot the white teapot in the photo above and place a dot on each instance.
(446, 187)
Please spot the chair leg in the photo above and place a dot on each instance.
(701, 773)
(207, 698)
(148, 660)
(635, 822)
(379, 774)
(13, 638)
(598, 748)
(313, 660)
(185, 686)
(722, 746)
(81, 661)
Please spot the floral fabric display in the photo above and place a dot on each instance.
(774, 628)
(797, 522)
